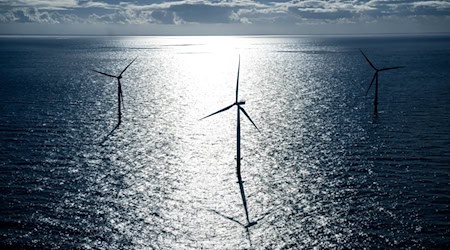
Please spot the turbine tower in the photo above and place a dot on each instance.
(240, 109)
(119, 90)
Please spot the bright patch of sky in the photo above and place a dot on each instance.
(424, 15)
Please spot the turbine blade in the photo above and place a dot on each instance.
(237, 82)
(399, 67)
(127, 66)
(368, 60)
(104, 73)
(226, 108)
(245, 113)
(373, 79)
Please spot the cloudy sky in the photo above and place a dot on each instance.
(147, 17)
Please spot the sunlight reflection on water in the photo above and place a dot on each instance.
(197, 158)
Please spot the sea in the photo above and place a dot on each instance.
(323, 172)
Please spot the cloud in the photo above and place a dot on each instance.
(125, 16)
(321, 14)
(201, 13)
(57, 4)
(441, 5)
(255, 12)
(41, 4)
(34, 15)
(434, 8)
(163, 16)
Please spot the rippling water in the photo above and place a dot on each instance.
(323, 173)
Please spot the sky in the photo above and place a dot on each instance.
(222, 17)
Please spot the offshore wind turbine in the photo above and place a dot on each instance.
(119, 89)
(240, 109)
(375, 78)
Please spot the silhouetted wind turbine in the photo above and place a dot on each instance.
(239, 104)
(375, 78)
(119, 90)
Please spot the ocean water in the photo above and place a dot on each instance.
(324, 172)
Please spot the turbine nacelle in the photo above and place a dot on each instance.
(240, 103)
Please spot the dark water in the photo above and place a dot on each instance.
(324, 173)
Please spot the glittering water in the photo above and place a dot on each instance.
(323, 173)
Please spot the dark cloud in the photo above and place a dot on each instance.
(408, 9)
(431, 10)
(81, 2)
(21, 17)
(200, 13)
(163, 16)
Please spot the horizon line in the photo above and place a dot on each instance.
(242, 35)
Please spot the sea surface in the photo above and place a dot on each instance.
(323, 173)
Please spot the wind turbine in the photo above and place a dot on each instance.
(119, 89)
(239, 104)
(375, 78)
